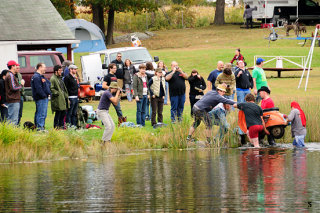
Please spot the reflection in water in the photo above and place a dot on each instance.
(227, 180)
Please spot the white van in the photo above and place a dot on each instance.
(272, 11)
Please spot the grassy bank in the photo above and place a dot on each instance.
(198, 48)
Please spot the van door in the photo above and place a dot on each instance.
(91, 68)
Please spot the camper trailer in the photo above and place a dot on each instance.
(278, 12)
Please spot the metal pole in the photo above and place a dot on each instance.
(313, 44)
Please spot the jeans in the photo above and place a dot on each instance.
(4, 114)
(129, 89)
(157, 108)
(13, 112)
(241, 94)
(58, 122)
(41, 113)
(118, 109)
(20, 110)
(72, 112)
(177, 106)
(249, 21)
(167, 94)
(141, 110)
(219, 119)
(298, 141)
(108, 124)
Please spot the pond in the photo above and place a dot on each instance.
(208, 180)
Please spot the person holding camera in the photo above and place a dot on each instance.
(103, 109)
(157, 92)
(227, 79)
(107, 80)
(197, 86)
(177, 89)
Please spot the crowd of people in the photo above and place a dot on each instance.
(150, 88)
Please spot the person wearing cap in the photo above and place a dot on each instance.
(213, 76)
(259, 78)
(3, 106)
(266, 103)
(254, 119)
(157, 85)
(72, 84)
(40, 91)
(22, 93)
(13, 96)
(206, 104)
(59, 97)
(228, 79)
(103, 110)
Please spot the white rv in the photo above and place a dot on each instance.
(267, 11)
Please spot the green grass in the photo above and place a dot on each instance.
(198, 48)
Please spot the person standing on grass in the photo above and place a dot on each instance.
(237, 57)
(227, 79)
(119, 72)
(247, 15)
(3, 106)
(259, 78)
(59, 97)
(103, 110)
(213, 76)
(164, 71)
(177, 89)
(71, 82)
(203, 106)
(40, 92)
(197, 86)
(13, 96)
(107, 80)
(150, 72)
(266, 103)
(129, 71)
(157, 94)
(141, 93)
(298, 125)
(21, 82)
(244, 81)
(254, 120)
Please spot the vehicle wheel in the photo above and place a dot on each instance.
(277, 131)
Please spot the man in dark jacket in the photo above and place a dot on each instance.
(119, 73)
(59, 97)
(3, 106)
(244, 82)
(40, 91)
(12, 88)
(72, 84)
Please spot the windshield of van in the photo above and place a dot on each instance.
(310, 3)
(136, 56)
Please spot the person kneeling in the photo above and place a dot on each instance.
(103, 110)
(204, 105)
(254, 120)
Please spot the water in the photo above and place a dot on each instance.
(226, 180)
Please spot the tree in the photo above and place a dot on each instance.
(113, 6)
(65, 8)
(219, 15)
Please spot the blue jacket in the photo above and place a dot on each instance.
(40, 90)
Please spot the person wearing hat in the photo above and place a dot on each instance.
(103, 110)
(259, 78)
(204, 105)
(3, 106)
(157, 93)
(13, 96)
(72, 84)
(266, 103)
(40, 92)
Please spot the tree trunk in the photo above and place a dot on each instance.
(97, 17)
(109, 38)
(219, 16)
(234, 3)
(73, 14)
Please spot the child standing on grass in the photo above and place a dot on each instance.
(298, 124)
